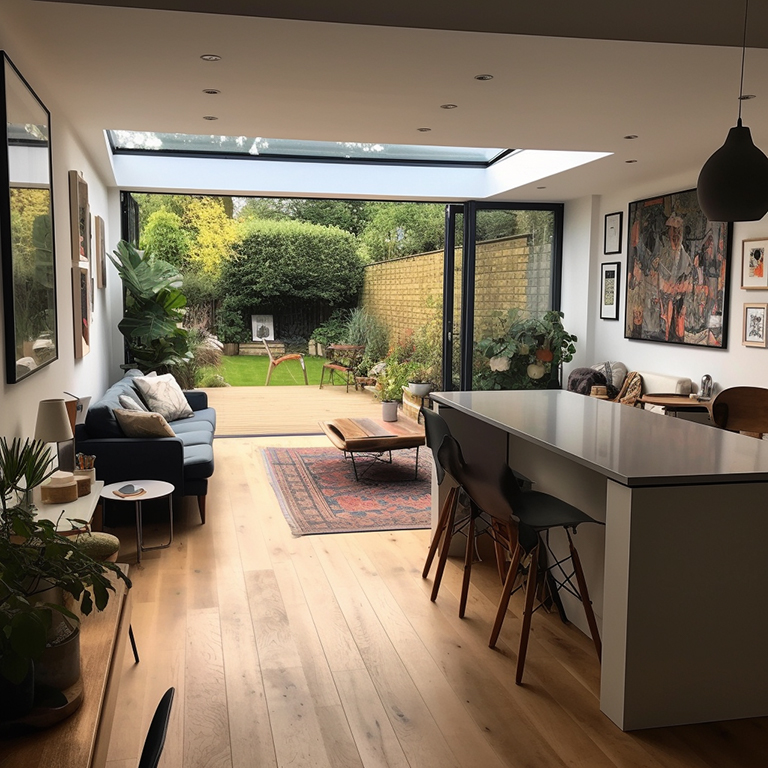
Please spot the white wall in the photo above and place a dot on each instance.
(728, 367)
(89, 376)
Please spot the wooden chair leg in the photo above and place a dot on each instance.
(201, 507)
(304, 368)
(530, 593)
(444, 547)
(441, 523)
(506, 593)
(269, 373)
(501, 552)
(469, 553)
(582, 582)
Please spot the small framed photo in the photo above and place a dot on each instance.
(754, 274)
(100, 252)
(263, 327)
(612, 238)
(754, 325)
(609, 290)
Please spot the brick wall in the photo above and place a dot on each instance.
(509, 273)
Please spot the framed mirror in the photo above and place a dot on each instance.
(26, 228)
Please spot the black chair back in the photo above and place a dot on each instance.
(155, 741)
(435, 429)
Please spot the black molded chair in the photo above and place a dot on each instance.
(527, 515)
(155, 741)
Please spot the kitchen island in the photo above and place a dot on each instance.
(678, 574)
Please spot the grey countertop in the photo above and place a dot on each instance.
(629, 445)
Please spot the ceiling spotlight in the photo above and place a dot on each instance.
(210, 57)
(483, 77)
(540, 187)
(630, 161)
(733, 183)
(424, 130)
(211, 91)
(631, 136)
(448, 106)
(210, 117)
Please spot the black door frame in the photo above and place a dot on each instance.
(467, 327)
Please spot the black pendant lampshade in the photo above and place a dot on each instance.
(733, 184)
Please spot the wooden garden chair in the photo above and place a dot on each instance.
(274, 362)
(343, 359)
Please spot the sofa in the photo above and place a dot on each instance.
(185, 461)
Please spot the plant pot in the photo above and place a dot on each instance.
(389, 410)
(419, 389)
(231, 348)
(17, 699)
(59, 666)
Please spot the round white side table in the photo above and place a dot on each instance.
(153, 489)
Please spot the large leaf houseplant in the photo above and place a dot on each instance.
(153, 313)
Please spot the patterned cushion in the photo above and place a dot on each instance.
(131, 403)
(143, 424)
(164, 396)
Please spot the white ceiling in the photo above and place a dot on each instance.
(139, 69)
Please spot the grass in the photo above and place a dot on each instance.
(251, 371)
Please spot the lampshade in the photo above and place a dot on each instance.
(733, 184)
(53, 422)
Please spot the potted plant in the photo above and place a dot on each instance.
(39, 571)
(390, 383)
(419, 381)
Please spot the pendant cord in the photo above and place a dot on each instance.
(743, 55)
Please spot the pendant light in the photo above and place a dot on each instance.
(733, 184)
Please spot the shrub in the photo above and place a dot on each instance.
(365, 330)
(333, 330)
(278, 263)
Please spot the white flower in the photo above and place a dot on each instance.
(499, 363)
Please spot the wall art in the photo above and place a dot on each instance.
(754, 334)
(754, 274)
(677, 272)
(609, 290)
(612, 233)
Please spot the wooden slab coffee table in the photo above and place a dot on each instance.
(374, 438)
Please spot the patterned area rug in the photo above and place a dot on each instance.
(319, 494)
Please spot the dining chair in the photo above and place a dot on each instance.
(275, 361)
(158, 728)
(742, 409)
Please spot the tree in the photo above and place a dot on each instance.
(164, 236)
(402, 229)
(349, 215)
(213, 234)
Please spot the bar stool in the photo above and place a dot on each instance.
(527, 515)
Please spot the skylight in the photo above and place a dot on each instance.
(292, 149)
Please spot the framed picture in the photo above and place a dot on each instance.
(80, 216)
(100, 260)
(754, 325)
(754, 275)
(612, 235)
(677, 273)
(81, 304)
(609, 290)
(263, 327)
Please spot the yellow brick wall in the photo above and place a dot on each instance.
(508, 273)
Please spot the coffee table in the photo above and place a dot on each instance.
(373, 438)
(153, 489)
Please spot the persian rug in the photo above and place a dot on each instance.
(319, 494)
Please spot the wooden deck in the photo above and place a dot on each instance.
(260, 411)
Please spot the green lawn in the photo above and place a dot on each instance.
(251, 371)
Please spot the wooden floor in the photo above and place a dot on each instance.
(286, 410)
(325, 651)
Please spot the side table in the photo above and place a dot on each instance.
(154, 489)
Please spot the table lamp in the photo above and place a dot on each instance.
(53, 426)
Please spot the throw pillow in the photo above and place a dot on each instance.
(143, 424)
(131, 404)
(164, 396)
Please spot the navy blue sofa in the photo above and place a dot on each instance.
(186, 461)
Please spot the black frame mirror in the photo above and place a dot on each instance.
(26, 228)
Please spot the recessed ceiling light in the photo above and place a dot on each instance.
(540, 187)
(630, 161)
(210, 117)
(747, 97)
(448, 106)
(211, 91)
(424, 130)
(483, 77)
(210, 57)
(631, 136)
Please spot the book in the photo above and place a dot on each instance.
(129, 492)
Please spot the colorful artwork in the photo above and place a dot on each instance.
(754, 275)
(677, 272)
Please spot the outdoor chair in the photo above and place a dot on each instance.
(274, 362)
(343, 361)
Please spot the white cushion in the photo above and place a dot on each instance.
(163, 395)
(665, 384)
(615, 372)
(143, 424)
(131, 403)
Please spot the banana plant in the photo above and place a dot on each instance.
(153, 312)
